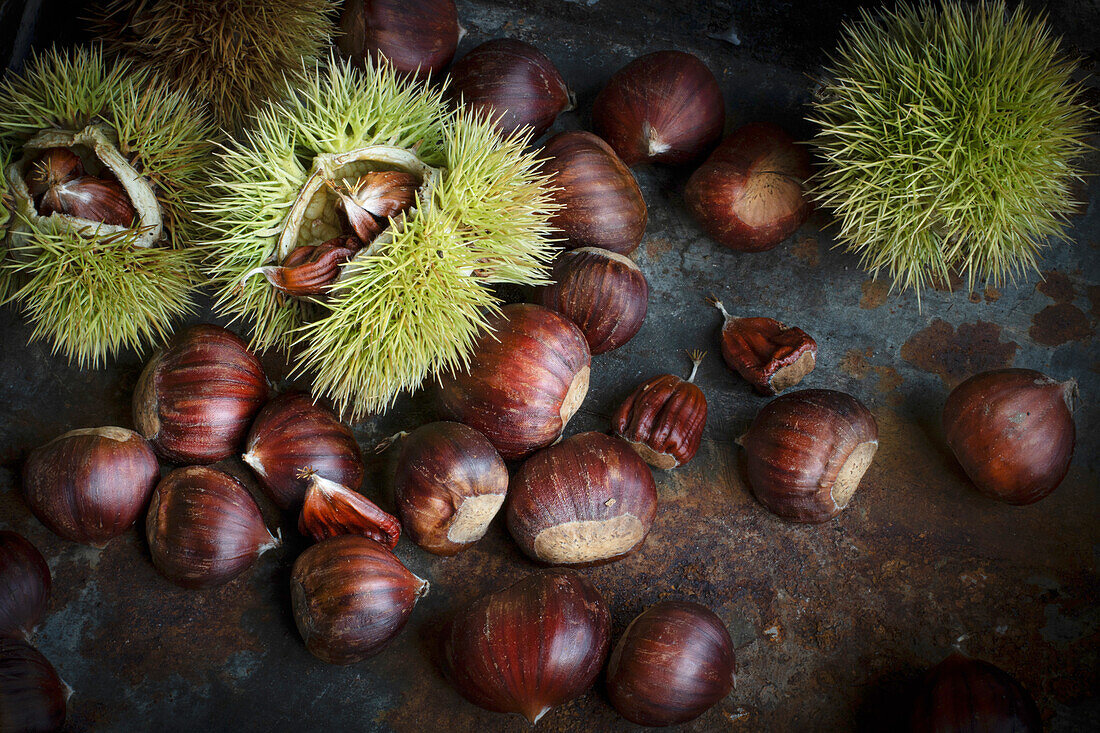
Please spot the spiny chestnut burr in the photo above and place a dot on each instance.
(351, 597)
(449, 484)
(663, 418)
(750, 194)
(1013, 432)
(91, 198)
(601, 204)
(528, 375)
(331, 509)
(24, 585)
(293, 438)
(530, 647)
(90, 485)
(603, 292)
(587, 499)
(204, 528)
(768, 354)
(513, 84)
(418, 37)
(664, 107)
(807, 451)
(195, 398)
(673, 663)
(964, 694)
(32, 696)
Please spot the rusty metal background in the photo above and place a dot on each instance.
(831, 622)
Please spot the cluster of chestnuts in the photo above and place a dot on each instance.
(58, 183)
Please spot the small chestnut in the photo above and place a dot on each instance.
(530, 647)
(52, 167)
(195, 398)
(673, 663)
(32, 696)
(91, 198)
(331, 509)
(1013, 432)
(90, 485)
(807, 451)
(24, 585)
(418, 37)
(964, 694)
(769, 355)
(587, 499)
(449, 484)
(351, 597)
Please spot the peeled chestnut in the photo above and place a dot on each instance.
(90, 485)
(449, 484)
(24, 585)
(530, 647)
(195, 398)
(750, 194)
(807, 451)
(601, 204)
(418, 37)
(331, 509)
(964, 694)
(770, 355)
(603, 292)
(513, 84)
(663, 418)
(587, 499)
(293, 438)
(204, 528)
(32, 696)
(664, 107)
(673, 663)
(527, 377)
(1012, 430)
(351, 597)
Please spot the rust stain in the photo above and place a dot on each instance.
(873, 294)
(1093, 292)
(1056, 286)
(1059, 324)
(806, 249)
(955, 355)
(975, 297)
(855, 362)
(954, 282)
(992, 294)
(657, 248)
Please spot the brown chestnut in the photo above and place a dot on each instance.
(587, 499)
(204, 528)
(24, 585)
(663, 418)
(449, 484)
(293, 438)
(90, 485)
(750, 194)
(770, 355)
(603, 292)
(664, 107)
(195, 398)
(331, 509)
(1013, 432)
(513, 84)
(32, 696)
(528, 375)
(673, 663)
(52, 167)
(418, 37)
(807, 451)
(351, 597)
(530, 647)
(964, 694)
(601, 204)
(91, 198)
(311, 269)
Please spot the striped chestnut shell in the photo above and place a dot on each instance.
(663, 420)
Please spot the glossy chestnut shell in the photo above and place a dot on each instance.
(24, 585)
(769, 355)
(663, 420)
(964, 694)
(331, 509)
(418, 37)
(32, 696)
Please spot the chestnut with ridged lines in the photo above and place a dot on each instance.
(24, 585)
(663, 419)
(418, 37)
(32, 696)
(961, 694)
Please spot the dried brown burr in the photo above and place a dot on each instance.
(768, 354)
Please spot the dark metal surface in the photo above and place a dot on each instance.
(830, 622)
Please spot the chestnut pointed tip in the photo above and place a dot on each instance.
(254, 462)
(533, 716)
(1071, 395)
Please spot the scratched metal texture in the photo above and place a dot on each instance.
(831, 622)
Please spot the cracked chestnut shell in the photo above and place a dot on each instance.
(807, 451)
(663, 420)
(587, 499)
(32, 697)
(24, 585)
(331, 509)
(964, 694)
(769, 355)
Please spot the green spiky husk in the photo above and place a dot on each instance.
(232, 54)
(948, 136)
(415, 306)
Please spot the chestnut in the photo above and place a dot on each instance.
(418, 37)
(601, 204)
(587, 499)
(664, 107)
(528, 375)
(663, 418)
(25, 582)
(511, 83)
(750, 194)
(90, 485)
(449, 484)
(32, 696)
(204, 528)
(603, 292)
(331, 509)
(770, 355)
(91, 198)
(806, 452)
(964, 694)
(530, 647)
(50, 168)
(351, 597)
(1013, 432)
(673, 663)
(293, 438)
(195, 398)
